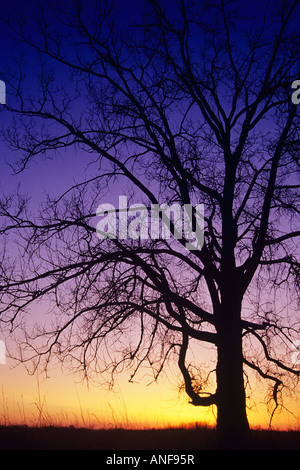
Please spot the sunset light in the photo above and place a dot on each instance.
(149, 226)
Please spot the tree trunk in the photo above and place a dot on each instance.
(232, 424)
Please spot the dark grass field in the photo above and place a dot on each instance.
(60, 438)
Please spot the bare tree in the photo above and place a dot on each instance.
(189, 106)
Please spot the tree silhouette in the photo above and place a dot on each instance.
(189, 105)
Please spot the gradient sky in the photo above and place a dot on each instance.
(62, 398)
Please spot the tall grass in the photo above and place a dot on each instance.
(38, 414)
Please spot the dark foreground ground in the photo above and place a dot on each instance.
(53, 438)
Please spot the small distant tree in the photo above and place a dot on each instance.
(190, 105)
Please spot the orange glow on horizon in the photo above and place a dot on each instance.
(62, 400)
